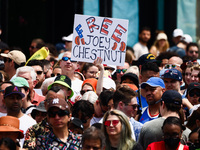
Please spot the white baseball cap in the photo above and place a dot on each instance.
(68, 38)
(177, 32)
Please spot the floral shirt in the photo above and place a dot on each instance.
(33, 132)
(51, 142)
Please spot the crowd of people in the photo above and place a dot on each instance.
(53, 102)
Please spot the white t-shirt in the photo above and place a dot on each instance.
(139, 50)
(25, 122)
(95, 120)
(76, 87)
(3, 114)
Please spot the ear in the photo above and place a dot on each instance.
(34, 83)
(163, 90)
(120, 105)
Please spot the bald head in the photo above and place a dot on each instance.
(175, 60)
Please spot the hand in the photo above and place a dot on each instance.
(98, 62)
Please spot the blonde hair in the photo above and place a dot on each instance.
(126, 140)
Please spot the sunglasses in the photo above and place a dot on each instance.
(39, 72)
(84, 91)
(121, 70)
(168, 66)
(108, 122)
(53, 75)
(60, 113)
(32, 47)
(67, 58)
(191, 94)
(133, 105)
(191, 52)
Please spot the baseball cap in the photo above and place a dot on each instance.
(146, 58)
(10, 124)
(58, 102)
(161, 36)
(173, 74)
(13, 90)
(77, 122)
(63, 80)
(68, 38)
(92, 82)
(186, 38)
(153, 82)
(191, 86)
(133, 77)
(20, 82)
(108, 83)
(177, 32)
(172, 96)
(17, 56)
(40, 107)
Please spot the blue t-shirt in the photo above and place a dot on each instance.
(146, 116)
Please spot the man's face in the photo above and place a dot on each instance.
(193, 96)
(193, 52)
(32, 48)
(172, 84)
(194, 76)
(27, 76)
(145, 35)
(58, 122)
(148, 74)
(7, 64)
(68, 65)
(3, 87)
(13, 103)
(121, 70)
(91, 144)
(40, 75)
(47, 71)
(153, 94)
(130, 109)
(68, 45)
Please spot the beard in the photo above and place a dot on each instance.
(152, 102)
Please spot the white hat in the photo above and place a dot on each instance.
(108, 83)
(162, 36)
(186, 38)
(68, 38)
(177, 32)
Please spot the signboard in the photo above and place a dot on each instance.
(99, 37)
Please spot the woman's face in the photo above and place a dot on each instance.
(187, 75)
(162, 43)
(86, 88)
(91, 72)
(113, 128)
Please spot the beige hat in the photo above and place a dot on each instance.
(17, 56)
(162, 36)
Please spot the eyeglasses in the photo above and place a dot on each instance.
(67, 58)
(53, 75)
(121, 70)
(32, 47)
(108, 122)
(168, 66)
(39, 72)
(191, 52)
(60, 113)
(84, 91)
(133, 105)
(192, 93)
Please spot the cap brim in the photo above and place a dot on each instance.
(4, 55)
(64, 84)
(11, 130)
(21, 94)
(143, 85)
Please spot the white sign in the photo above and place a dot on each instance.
(99, 37)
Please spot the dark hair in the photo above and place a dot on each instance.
(123, 94)
(194, 131)
(173, 107)
(165, 55)
(52, 49)
(39, 43)
(94, 134)
(86, 66)
(9, 143)
(191, 44)
(149, 66)
(6, 82)
(36, 62)
(145, 28)
(173, 121)
(105, 97)
(191, 123)
(85, 107)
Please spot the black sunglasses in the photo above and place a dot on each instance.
(53, 75)
(39, 72)
(32, 47)
(191, 94)
(67, 58)
(60, 113)
(83, 91)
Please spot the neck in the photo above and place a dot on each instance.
(11, 73)
(26, 103)
(170, 113)
(62, 133)
(114, 140)
(154, 109)
(15, 114)
(70, 74)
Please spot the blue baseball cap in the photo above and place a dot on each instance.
(154, 82)
(173, 74)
